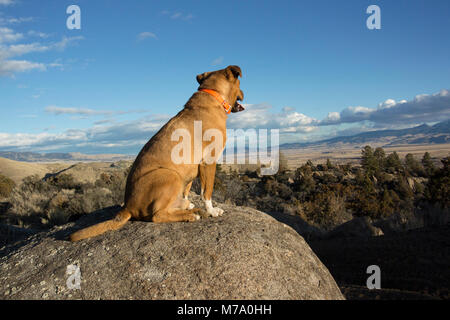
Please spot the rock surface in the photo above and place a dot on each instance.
(357, 227)
(245, 254)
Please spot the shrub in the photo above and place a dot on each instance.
(413, 167)
(428, 164)
(368, 161)
(6, 186)
(59, 198)
(380, 157)
(393, 163)
(438, 187)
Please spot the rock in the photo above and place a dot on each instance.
(357, 227)
(245, 254)
(302, 227)
(10, 234)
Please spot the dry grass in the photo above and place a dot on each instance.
(352, 153)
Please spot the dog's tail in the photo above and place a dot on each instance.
(116, 223)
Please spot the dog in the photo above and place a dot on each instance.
(157, 188)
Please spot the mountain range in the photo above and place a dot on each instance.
(419, 135)
(61, 157)
(423, 134)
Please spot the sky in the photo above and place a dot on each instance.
(311, 69)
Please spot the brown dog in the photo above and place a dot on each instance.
(157, 187)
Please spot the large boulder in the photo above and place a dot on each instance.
(245, 254)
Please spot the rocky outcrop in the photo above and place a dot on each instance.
(245, 254)
(357, 227)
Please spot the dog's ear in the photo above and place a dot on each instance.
(202, 77)
(234, 71)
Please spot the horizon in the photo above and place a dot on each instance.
(313, 70)
(283, 146)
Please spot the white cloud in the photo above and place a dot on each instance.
(99, 138)
(6, 2)
(8, 51)
(12, 20)
(56, 64)
(146, 35)
(387, 104)
(79, 111)
(9, 67)
(423, 108)
(259, 116)
(177, 15)
(87, 112)
(217, 61)
(21, 49)
(332, 117)
(65, 42)
(38, 34)
(8, 35)
(21, 140)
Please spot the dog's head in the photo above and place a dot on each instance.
(226, 82)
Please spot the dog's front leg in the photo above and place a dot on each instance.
(189, 205)
(207, 175)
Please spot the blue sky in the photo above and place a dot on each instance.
(310, 68)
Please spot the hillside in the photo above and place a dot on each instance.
(423, 134)
(62, 157)
(81, 172)
(17, 170)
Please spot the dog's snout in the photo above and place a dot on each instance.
(240, 96)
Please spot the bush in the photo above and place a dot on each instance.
(428, 164)
(413, 167)
(438, 188)
(58, 199)
(393, 163)
(6, 186)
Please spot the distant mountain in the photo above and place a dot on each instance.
(59, 157)
(423, 134)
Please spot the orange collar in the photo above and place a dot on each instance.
(226, 106)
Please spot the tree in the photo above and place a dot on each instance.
(412, 165)
(438, 187)
(428, 164)
(380, 157)
(329, 164)
(368, 161)
(386, 204)
(393, 163)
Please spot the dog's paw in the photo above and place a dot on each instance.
(197, 217)
(215, 212)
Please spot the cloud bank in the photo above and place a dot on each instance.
(423, 108)
(109, 135)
